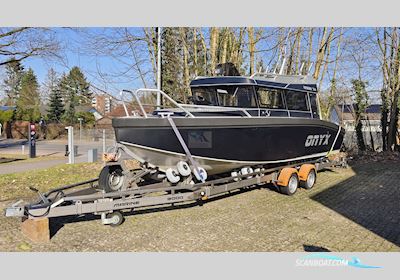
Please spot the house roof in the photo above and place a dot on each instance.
(119, 111)
(347, 111)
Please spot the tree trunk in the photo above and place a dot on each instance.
(186, 73)
(310, 49)
(297, 53)
(326, 56)
(393, 123)
(320, 54)
(203, 43)
(152, 49)
(250, 32)
(8, 129)
(224, 39)
(195, 52)
(332, 91)
(213, 47)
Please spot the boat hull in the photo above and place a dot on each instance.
(222, 144)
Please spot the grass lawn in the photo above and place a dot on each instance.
(15, 186)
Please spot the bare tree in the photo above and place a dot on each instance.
(389, 45)
(17, 44)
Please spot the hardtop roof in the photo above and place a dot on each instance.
(291, 82)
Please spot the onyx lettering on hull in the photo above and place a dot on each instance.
(317, 140)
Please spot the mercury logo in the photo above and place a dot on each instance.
(317, 140)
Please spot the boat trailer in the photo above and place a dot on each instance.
(87, 198)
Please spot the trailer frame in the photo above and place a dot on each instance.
(58, 202)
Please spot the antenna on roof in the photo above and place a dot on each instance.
(309, 68)
(283, 54)
(301, 68)
(277, 63)
(282, 66)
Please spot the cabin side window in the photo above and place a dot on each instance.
(270, 98)
(296, 100)
(236, 96)
(204, 96)
(314, 105)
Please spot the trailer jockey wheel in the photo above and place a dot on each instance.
(292, 185)
(111, 178)
(116, 218)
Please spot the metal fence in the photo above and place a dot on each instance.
(372, 134)
(93, 134)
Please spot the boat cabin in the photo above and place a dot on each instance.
(263, 95)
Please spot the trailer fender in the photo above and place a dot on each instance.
(284, 176)
(304, 170)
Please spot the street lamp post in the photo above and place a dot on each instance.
(80, 129)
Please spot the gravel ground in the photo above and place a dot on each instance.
(353, 209)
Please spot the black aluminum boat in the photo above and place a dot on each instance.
(234, 122)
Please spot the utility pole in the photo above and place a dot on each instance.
(71, 148)
(80, 129)
(158, 67)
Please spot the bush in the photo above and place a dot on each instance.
(88, 118)
(55, 131)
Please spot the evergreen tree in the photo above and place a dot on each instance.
(56, 106)
(49, 85)
(74, 90)
(78, 84)
(12, 82)
(28, 101)
(69, 99)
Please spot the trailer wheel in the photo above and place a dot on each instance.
(116, 217)
(111, 178)
(310, 181)
(292, 185)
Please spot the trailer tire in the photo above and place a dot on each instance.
(292, 185)
(117, 216)
(310, 180)
(111, 178)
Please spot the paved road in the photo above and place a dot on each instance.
(45, 148)
(8, 168)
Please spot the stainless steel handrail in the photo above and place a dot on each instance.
(147, 90)
(218, 108)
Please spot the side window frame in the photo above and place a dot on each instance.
(315, 115)
(288, 92)
(262, 106)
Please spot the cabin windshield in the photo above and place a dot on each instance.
(227, 96)
(204, 96)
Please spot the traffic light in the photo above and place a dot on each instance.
(32, 140)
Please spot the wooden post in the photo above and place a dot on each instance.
(37, 230)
